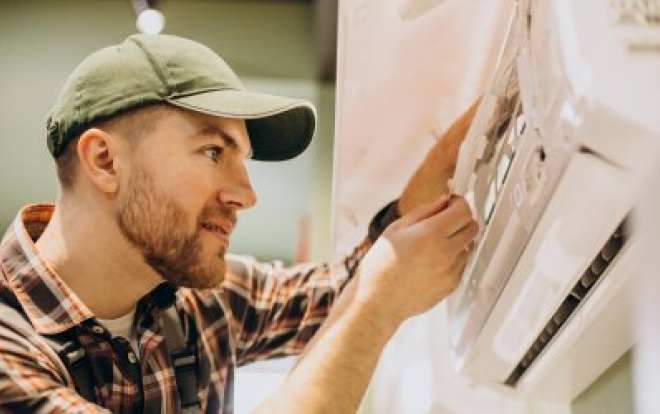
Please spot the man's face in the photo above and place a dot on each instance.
(186, 182)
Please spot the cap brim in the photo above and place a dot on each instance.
(280, 128)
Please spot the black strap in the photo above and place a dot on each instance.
(184, 360)
(183, 353)
(65, 345)
(73, 357)
(182, 350)
(386, 216)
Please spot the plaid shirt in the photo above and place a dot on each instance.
(261, 311)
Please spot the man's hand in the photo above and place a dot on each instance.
(418, 260)
(430, 180)
(415, 264)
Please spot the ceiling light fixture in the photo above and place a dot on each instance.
(149, 19)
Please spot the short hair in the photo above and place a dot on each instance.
(133, 124)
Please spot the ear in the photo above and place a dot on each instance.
(98, 153)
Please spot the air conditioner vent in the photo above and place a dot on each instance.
(592, 274)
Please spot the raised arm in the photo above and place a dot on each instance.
(416, 264)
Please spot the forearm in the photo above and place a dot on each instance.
(429, 182)
(338, 309)
(334, 371)
(415, 263)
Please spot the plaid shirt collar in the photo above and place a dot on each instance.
(49, 303)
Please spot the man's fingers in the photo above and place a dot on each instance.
(458, 266)
(456, 269)
(425, 211)
(461, 240)
(464, 237)
(456, 216)
(459, 216)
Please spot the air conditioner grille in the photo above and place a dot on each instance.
(592, 274)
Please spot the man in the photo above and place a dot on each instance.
(150, 138)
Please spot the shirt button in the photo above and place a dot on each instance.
(132, 358)
(98, 330)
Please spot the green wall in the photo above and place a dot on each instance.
(321, 194)
(611, 393)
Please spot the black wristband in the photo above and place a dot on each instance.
(384, 218)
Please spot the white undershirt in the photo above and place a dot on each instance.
(123, 327)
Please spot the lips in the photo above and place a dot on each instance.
(221, 230)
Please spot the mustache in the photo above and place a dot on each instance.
(222, 212)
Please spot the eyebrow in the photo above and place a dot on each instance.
(228, 139)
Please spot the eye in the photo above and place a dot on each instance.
(213, 153)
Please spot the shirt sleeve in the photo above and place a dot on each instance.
(30, 381)
(386, 216)
(275, 310)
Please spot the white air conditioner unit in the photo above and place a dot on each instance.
(551, 166)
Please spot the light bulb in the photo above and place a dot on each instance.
(150, 21)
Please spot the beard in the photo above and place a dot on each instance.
(154, 224)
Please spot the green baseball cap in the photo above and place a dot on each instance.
(151, 69)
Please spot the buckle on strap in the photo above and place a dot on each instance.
(74, 358)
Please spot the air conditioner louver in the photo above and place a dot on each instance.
(579, 293)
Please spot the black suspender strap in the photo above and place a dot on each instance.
(182, 351)
(67, 348)
(184, 360)
(65, 345)
(73, 357)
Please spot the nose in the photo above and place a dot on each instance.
(239, 193)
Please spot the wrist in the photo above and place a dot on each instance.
(382, 322)
(379, 313)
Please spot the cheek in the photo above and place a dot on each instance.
(192, 188)
(185, 180)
